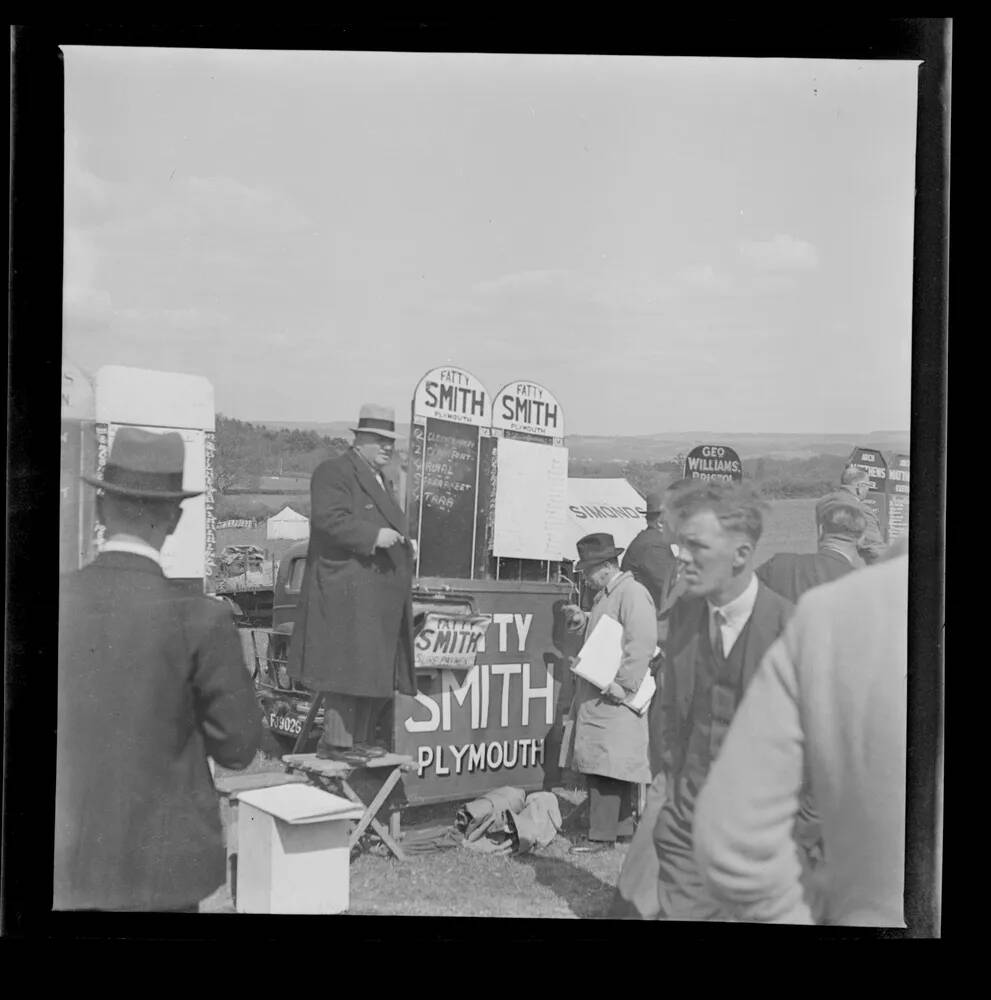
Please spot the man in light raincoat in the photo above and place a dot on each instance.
(610, 739)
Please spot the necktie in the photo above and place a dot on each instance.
(723, 702)
(718, 620)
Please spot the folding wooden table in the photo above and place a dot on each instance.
(333, 775)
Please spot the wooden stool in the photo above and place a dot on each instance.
(334, 775)
(228, 788)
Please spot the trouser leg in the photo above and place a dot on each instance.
(368, 711)
(636, 891)
(340, 713)
(604, 804)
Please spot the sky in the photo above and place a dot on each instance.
(666, 244)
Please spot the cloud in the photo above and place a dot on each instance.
(522, 281)
(781, 253)
(704, 278)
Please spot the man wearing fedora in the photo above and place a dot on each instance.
(151, 683)
(610, 739)
(353, 639)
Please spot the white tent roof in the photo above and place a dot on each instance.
(288, 514)
(611, 505)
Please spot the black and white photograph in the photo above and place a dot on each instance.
(485, 486)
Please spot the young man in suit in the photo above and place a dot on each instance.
(353, 639)
(152, 682)
(720, 630)
(841, 527)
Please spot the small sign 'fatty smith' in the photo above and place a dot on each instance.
(450, 640)
(528, 408)
(451, 394)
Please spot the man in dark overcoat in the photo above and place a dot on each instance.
(353, 639)
(152, 682)
(649, 557)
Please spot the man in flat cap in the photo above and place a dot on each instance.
(353, 639)
(855, 484)
(841, 528)
(649, 557)
(152, 682)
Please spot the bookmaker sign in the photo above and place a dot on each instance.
(714, 461)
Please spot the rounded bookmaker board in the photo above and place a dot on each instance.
(714, 461)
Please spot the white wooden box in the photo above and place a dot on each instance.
(293, 854)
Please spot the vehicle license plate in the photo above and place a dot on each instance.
(285, 724)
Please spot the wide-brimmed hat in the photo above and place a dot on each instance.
(144, 464)
(375, 419)
(654, 502)
(596, 549)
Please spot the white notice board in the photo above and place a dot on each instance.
(531, 508)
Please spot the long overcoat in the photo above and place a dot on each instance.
(354, 631)
(151, 682)
(610, 739)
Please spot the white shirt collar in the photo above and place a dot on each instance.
(134, 545)
(736, 613)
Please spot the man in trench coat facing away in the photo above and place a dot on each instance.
(610, 739)
(152, 681)
(353, 639)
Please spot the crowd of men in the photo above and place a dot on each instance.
(774, 747)
(776, 741)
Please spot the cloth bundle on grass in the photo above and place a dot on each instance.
(506, 821)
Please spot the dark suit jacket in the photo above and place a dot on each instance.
(791, 574)
(151, 681)
(354, 632)
(650, 560)
(690, 616)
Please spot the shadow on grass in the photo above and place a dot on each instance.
(585, 894)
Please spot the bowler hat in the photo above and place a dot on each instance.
(655, 503)
(375, 419)
(595, 549)
(144, 464)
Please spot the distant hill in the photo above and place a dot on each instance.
(663, 447)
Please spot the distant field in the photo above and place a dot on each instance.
(790, 527)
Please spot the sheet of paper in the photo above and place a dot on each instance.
(599, 659)
(531, 508)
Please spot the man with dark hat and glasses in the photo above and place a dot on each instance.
(152, 682)
(610, 739)
(353, 640)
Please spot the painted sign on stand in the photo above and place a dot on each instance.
(526, 408)
(77, 503)
(450, 640)
(161, 402)
(898, 495)
(450, 407)
(874, 462)
(496, 722)
(714, 461)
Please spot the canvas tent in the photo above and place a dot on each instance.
(611, 505)
(287, 524)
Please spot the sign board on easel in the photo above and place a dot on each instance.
(714, 461)
(160, 402)
(450, 410)
(528, 411)
(898, 495)
(876, 465)
(77, 503)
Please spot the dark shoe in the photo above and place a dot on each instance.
(325, 752)
(592, 846)
(369, 750)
